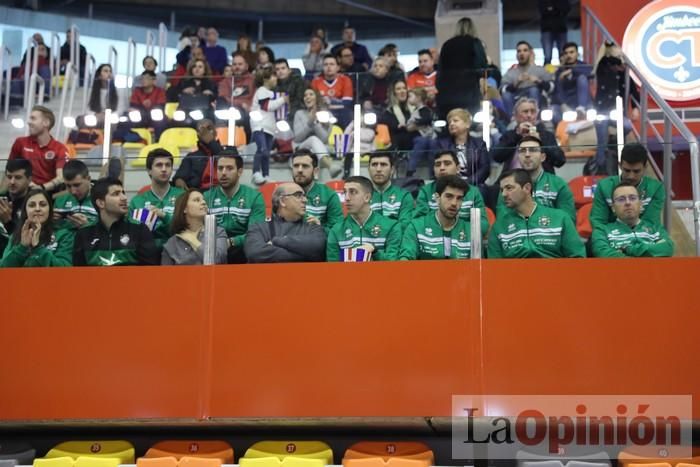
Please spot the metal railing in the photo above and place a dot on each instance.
(150, 44)
(70, 83)
(6, 74)
(33, 80)
(113, 59)
(74, 46)
(31, 63)
(55, 64)
(130, 62)
(596, 34)
(88, 80)
(162, 43)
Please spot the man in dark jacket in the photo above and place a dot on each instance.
(198, 168)
(292, 84)
(287, 237)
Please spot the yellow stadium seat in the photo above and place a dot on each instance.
(89, 461)
(180, 448)
(182, 137)
(335, 130)
(289, 461)
(140, 161)
(189, 461)
(170, 108)
(121, 450)
(145, 135)
(390, 449)
(156, 461)
(64, 461)
(283, 449)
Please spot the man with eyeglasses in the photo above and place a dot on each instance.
(547, 189)
(198, 168)
(629, 235)
(286, 238)
(652, 194)
(528, 229)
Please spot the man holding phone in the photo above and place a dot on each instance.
(74, 209)
(18, 174)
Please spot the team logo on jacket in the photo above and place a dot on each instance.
(462, 236)
(663, 40)
(69, 204)
(317, 200)
(376, 231)
(511, 227)
(217, 202)
(348, 233)
(94, 241)
(49, 155)
(392, 198)
(546, 187)
(544, 221)
(241, 202)
(124, 239)
(53, 244)
(428, 231)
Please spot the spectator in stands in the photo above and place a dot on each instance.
(336, 90)
(28, 54)
(442, 235)
(347, 62)
(473, 157)
(311, 133)
(571, 81)
(633, 165)
(313, 58)
(629, 235)
(198, 91)
(245, 48)
(155, 206)
(287, 237)
(264, 127)
(46, 155)
(547, 189)
(359, 51)
(187, 244)
(34, 242)
(525, 79)
(425, 76)
(374, 87)
(528, 229)
(291, 84)
(322, 203)
(397, 116)
(104, 95)
(446, 163)
(217, 57)
(43, 69)
(74, 209)
(462, 62)
(198, 168)
(113, 240)
(390, 53)
(225, 89)
(553, 26)
(191, 51)
(265, 58)
(240, 90)
(18, 173)
(236, 206)
(150, 64)
(363, 229)
(421, 121)
(388, 199)
(65, 56)
(146, 98)
(525, 114)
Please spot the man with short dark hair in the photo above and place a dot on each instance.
(198, 168)
(387, 199)
(74, 209)
(425, 76)
(363, 229)
(633, 164)
(287, 237)
(446, 163)
(629, 235)
(528, 229)
(236, 206)
(525, 79)
(359, 51)
(65, 56)
(347, 63)
(571, 86)
(113, 240)
(336, 89)
(156, 206)
(291, 85)
(18, 173)
(442, 234)
(322, 203)
(146, 98)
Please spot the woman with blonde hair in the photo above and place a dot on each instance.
(473, 157)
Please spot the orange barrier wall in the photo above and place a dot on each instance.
(321, 340)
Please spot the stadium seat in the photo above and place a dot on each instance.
(382, 140)
(222, 136)
(145, 135)
(649, 456)
(583, 223)
(289, 461)
(580, 145)
(140, 161)
(583, 188)
(121, 450)
(22, 453)
(490, 216)
(266, 190)
(192, 461)
(178, 449)
(64, 461)
(8, 462)
(390, 449)
(182, 137)
(339, 187)
(382, 462)
(282, 449)
(170, 108)
(168, 461)
(90, 461)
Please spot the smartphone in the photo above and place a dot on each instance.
(5, 198)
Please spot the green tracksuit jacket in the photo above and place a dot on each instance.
(427, 202)
(549, 190)
(394, 203)
(67, 204)
(424, 238)
(323, 202)
(245, 208)
(161, 234)
(383, 233)
(618, 240)
(651, 192)
(58, 252)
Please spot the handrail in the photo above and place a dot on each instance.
(75, 45)
(670, 119)
(69, 79)
(40, 98)
(88, 80)
(31, 62)
(150, 40)
(130, 62)
(55, 63)
(162, 44)
(7, 75)
(113, 59)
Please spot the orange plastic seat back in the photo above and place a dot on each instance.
(583, 223)
(240, 137)
(490, 216)
(189, 461)
(383, 138)
(649, 456)
(266, 190)
(339, 187)
(178, 449)
(381, 462)
(390, 449)
(583, 188)
(168, 461)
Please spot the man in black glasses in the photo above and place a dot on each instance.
(629, 235)
(286, 237)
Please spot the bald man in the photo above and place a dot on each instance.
(287, 237)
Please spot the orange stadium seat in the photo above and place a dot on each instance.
(121, 450)
(583, 188)
(583, 223)
(289, 461)
(382, 462)
(651, 457)
(391, 449)
(156, 461)
(222, 136)
(266, 190)
(192, 461)
(182, 448)
(339, 187)
(490, 216)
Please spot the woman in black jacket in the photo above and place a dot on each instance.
(397, 115)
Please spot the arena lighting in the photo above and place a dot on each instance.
(179, 116)
(569, 116)
(18, 123)
(356, 128)
(221, 114)
(613, 115)
(620, 127)
(90, 120)
(479, 117)
(113, 117)
(256, 115)
(486, 122)
(156, 115)
(600, 118)
(323, 116)
(123, 119)
(69, 122)
(196, 115)
(546, 115)
(135, 116)
(370, 118)
(283, 126)
(333, 120)
(440, 123)
(591, 115)
(121, 82)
